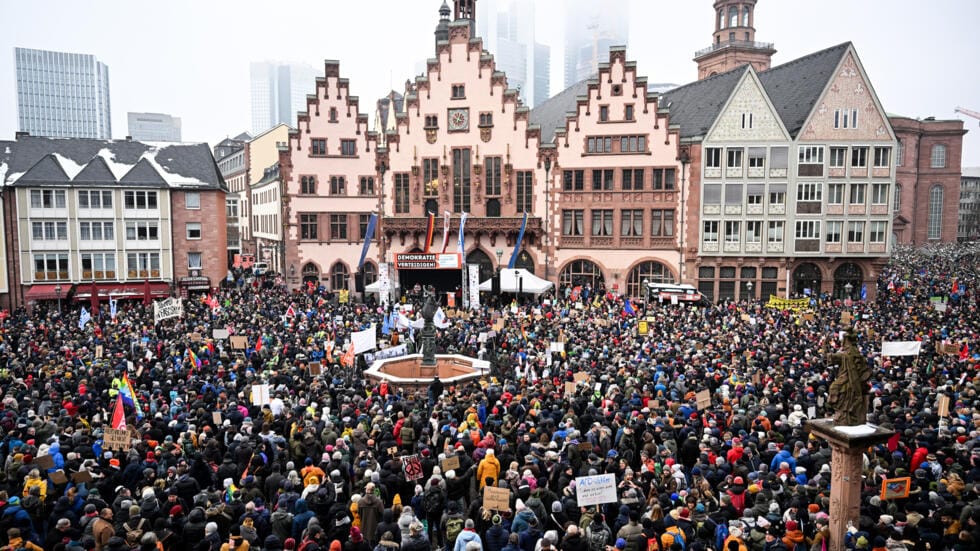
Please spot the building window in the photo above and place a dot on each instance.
(663, 178)
(525, 190)
(746, 121)
(195, 261)
(733, 231)
(753, 231)
(706, 283)
(573, 223)
(777, 194)
(333, 114)
(98, 265)
(834, 229)
(855, 232)
(308, 230)
(338, 185)
(811, 155)
(628, 115)
(879, 194)
(431, 121)
(339, 277)
(318, 146)
(754, 193)
(712, 194)
(808, 229)
(430, 177)
(835, 194)
(307, 185)
(733, 194)
(47, 199)
(775, 232)
(491, 167)
(51, 266)
(712, 157)
(935, 212)
(142, 230)
(599, 144)
(632, 179)
(603, 113)
(96, 231)
(348, 148)
(876, 233)
(602, 223)
(632, 144)
(91, 199)
(858, 192)
(734, 158)
(897, 204)
(882, 157)
(757, 157)
(459, 91)
(846, 118)
(573, 180)
(143, 265)
(711, 231)
(602, 180)
(362, 224)
(938, 157)
(809, 191)
(838, 157)
(859, 157)
(49, 231)
(662, 223)
(461, 180)
(192, 200)
(366, 185)
(631, 224)
(900, 153)
(140, 200)
(193, 230)
(338, 226)
(401, 193)
(486, 119)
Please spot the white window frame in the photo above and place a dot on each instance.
(809, 191)
(190, 263)
(882, 157)
(734, 154)
(192, 226)
(137, 196)
(747, 121)
(855, 231)
(90, 225)
(838, 157)
(56, 198)
(937, 157)
(89, 193)
(147, 225)
(811, 154)
(835, 193)
(808, 229)
(733, 231)
(753, 231)
(776, 231)
(834, 231)
(879, 193)
(49, 230)
(192, 200)
(857, 194)
(710, 229)
(877, 231)
(859, 157)
(712, 157)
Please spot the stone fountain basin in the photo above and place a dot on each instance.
(408, 371)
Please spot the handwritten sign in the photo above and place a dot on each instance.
(195, 337)
(703, 398)
(166, 309)
(496, 499)
(220, 334)
(58, 477)
(595, 490)
(943, 405)
(569, 389)
(81, 477)
(412, 466)
(44, 462)
(239, 342)
(216, 417)
(116, 439)
(580, 377)
(450, 463)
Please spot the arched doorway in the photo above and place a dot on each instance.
(807, 276)
(846, 274)
(652, 271)
(311, 274)
(339, 276)
(525, 261)
(480, 258)
(581, 272)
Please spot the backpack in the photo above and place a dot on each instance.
(454, 526)
(738, 502)
(598, 539)
(133, 535)
(721, 534)
(432, 502)
(673, 535)
(408, 435)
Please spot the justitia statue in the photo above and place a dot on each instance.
(428, 333)
(849, 391)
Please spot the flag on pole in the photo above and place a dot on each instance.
(112, 308)
(956, 287)
(119, 414)
(368, 237)
(460, 242)
(290, 312)
(195, 361)
(628, 308)
(517, 246)
(445, 230)
(864, 291)
(348, 357)
(83, 318)
(430, 226)
(129, 395)
(258, 343)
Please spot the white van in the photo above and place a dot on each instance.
(260, 268)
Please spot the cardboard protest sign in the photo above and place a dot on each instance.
(116, 439)
(585, 446)
(704, 399)
(314, 369)
(239, 342)
(216, 417)
(943, 405)
(569, 389)
(58, 477)
(412, 467)
(595, 490)
(44, 462)
(260, 395)
(580, 376)
(220, 334)
(496, 499)
(450, 463)
(81, 477)
(195, 337)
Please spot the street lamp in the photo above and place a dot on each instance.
(685, 159)
(848, 288)
(500, 255)
(547, 216)
(57, 293)
(749, 286)
(646, 294)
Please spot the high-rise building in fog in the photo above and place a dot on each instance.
(509, 36)
(62, 94)
(590, 29)
(278, 93)
(153, 127)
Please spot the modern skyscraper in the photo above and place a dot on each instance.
(278, 93)
(62, 94)
(591, 28)
(509, 36)
(153, 127)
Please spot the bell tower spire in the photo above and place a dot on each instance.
(733, 41)
(466, 9)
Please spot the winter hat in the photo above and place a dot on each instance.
(210, 528)
(620, 543)
(792, 525)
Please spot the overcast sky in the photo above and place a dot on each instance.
(190, 58)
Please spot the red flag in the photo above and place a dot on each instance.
(290, 312)
(348, 358)
(118, 413)
(956, 287)
(258, 343)
(965, 352)
(430, 226)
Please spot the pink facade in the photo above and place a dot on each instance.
(331, 185)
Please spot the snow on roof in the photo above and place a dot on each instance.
(70, 167)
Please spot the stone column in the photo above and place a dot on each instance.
(847, 445)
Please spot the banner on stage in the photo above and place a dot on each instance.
(795, 304)
(429, 261)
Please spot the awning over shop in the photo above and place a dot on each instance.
(130, 290)
(47, 292)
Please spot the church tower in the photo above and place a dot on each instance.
(466, 9)
(733, 43)
(442, 28)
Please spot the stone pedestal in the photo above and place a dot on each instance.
(847, 445)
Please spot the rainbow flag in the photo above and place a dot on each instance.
(230, 492)
(129, 395)
(194, 359)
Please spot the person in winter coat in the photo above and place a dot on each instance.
(356, 541)
(513, 543)
(794, 538)
(370, 508)
(281, 521)
(773, 541)
(389, 524)
(387, 542)
(573, 540)
(301, 519)
(15, 541)
(466, 536)
(497, 535)
(522, 519)
(489, 470)
(416, 540)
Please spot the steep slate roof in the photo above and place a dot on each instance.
(552, 113)
(695, 106)
(63, 161)
(796, 86)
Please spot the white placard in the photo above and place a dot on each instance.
(900, 348)
(474, 286)
(166, 309)
(260, 395)
(364, 340)
(595, 490)
(220, 334)
(556, 346)
(385, 284)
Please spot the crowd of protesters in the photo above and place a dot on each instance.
(319, 466)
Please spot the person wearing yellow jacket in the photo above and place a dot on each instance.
(489, 469)
(34, 479)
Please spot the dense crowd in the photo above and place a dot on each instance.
(320, 465)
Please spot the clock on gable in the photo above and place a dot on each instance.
(459, 119)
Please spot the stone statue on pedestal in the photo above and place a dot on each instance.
(428, 333)
(849, 391)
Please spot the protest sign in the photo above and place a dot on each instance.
(900, 348)
(496, 499)
(44, 462)
(569, 389)
(704, 399)
(412, 466)
(166, 309)
(239, 342)
(943, 405)
(449, 463)
(58, 477)
(261, 395)
(81, 477)
(216, 417)
(116, 439)
(580, 376)
(595, 490)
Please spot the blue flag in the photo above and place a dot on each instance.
(864, 291)
(368, 236)
(628, 308)
(112, 308)
(83, 318)
(386, 325)
(517, 246)
(460, 242)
